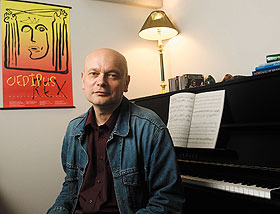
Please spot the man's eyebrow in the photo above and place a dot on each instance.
(92, 69)
(114, 71)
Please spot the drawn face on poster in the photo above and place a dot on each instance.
(36, 64)
(36, 39)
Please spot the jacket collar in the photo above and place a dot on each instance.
(122, 124)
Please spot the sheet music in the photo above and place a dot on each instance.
(194, 120)
(206, 119)
(179, 119)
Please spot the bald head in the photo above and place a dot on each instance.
(109, 55)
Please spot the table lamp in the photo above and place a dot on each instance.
(158, 27)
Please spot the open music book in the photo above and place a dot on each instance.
(194, 119)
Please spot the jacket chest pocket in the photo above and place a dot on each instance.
(136, 190)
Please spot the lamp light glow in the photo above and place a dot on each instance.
(156, 21)
(158, 27)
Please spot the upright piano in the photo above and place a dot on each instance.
(242, 173)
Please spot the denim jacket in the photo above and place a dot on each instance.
(142, 160)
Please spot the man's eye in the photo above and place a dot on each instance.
(113, 76)
(93, 74)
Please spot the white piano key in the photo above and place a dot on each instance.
(250, 191)
(256, 192)
(230, 187)
(246, 191)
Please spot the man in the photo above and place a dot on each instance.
(118, 157)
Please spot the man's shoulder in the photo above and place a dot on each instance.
(79, 118)
(146, 114)
(78, 122)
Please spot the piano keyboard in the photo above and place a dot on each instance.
(250, 189)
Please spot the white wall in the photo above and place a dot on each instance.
(216, 37)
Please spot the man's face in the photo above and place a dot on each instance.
(105, 79)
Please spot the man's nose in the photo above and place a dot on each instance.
(101, 80)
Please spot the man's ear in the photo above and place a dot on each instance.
(82, 78)
(127, 83)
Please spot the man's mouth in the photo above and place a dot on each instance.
(101, 93)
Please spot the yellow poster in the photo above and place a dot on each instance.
(36, 59)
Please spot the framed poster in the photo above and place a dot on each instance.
(36, 59)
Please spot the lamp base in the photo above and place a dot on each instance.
(163, 85)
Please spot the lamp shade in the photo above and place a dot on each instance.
(158, 26)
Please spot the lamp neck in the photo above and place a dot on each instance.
(160, 45)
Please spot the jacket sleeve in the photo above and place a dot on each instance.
(163, 179)
(63, 203)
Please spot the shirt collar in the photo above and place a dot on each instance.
(110, 123)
